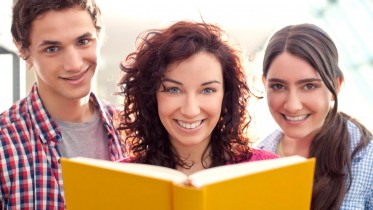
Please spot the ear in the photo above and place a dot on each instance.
(264, 81)
(338, 84)
(23, 53)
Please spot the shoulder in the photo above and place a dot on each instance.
(354, 133)
(360, 193)
(106, 109)
(109, 107)
(103, 104)
(259, 154)
(362, 162)
(15, 133)
(355, 138)
(270, 142)
(15, 114)
(364, 158)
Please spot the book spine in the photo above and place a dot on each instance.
(188, 198)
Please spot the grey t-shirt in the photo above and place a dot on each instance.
(87, 139)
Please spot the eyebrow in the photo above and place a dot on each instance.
(179, 83)
(50, 42)
(302, 81)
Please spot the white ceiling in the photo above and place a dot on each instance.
(249, 22)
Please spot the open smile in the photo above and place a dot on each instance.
(296, 118)
(76, 77)
(189, 125)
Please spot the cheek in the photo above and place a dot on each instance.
(92, 55)
(273, 101)
(44, 69)
(325, 104)
(40, 61)
(322, 99)
(215, 109)
(213, 106)
(166, 106)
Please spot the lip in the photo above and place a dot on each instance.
(76, 79)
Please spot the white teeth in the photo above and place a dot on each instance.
(76, 77)
(297, 118)
(189, 125)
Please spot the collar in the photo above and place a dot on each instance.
(46, 128)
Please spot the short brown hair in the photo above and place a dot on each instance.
(26, 11)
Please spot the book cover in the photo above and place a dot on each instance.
(284, 183)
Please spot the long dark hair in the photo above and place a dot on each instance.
(146, 138)
(331, 145)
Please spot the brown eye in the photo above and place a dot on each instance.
(83, 42)
(310, 86)
(276, 86)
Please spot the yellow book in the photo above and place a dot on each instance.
(283, 183)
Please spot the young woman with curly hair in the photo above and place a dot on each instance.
(185, 100)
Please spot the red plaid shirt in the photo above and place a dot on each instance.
(30, 173)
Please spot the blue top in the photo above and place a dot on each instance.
(360, 194)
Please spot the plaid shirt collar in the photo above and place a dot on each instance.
(46, 127)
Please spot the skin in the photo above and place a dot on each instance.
(298, 100)
(63, 54)
(189, 104)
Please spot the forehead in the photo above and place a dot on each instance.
(61, 25)
(289, 66)
(199, 66)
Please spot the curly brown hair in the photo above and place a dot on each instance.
(146, 138)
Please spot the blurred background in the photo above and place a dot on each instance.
(250, 23)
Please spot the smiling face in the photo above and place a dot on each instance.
(297, 97)
(190, 100)
(63, 53)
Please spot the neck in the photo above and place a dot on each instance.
(194, 157)
(69, 110)
(291, 146)
(197, 166)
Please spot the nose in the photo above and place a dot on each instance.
(293, 102)
(72, 59)
(190, 106)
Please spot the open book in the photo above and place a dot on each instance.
(284, 183)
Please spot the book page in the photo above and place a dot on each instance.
(158, 172)
(220, 173)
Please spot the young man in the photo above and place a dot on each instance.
(61, 117)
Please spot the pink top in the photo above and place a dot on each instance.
(257, 154)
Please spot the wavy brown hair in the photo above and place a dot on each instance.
(331, 145)
(146, 139)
